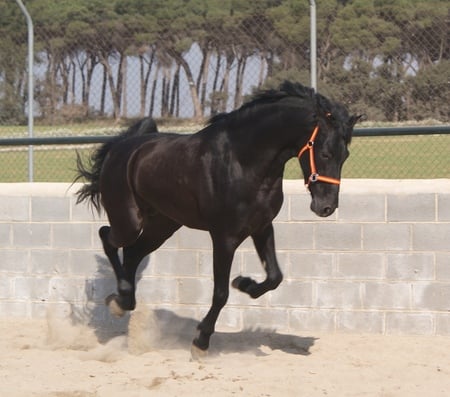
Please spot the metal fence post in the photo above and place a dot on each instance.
(313, 45)
(30, 85)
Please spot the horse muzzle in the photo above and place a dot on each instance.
(323, 208)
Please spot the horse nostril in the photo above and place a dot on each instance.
(327, 211)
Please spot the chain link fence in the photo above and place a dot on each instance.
(100, 63)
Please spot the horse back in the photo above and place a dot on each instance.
(200, 182)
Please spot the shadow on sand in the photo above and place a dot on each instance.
(166, 329)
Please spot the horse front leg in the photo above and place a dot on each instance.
(223, 252)
(265, 246)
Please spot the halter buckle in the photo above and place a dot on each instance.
(314, 177)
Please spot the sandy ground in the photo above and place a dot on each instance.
(56, 358)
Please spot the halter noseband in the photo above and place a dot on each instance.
(314, 177)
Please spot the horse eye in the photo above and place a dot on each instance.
(326, 155)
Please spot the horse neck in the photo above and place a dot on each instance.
(275, 132)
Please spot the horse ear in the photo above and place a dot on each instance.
(324, 105)
(355, 118)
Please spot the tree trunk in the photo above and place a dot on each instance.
(205, 76)
(153, 93)
(175, 95)
(103, 95)
(225, 86)
(192, 87)
(115, 90)
(242, 62)
(145, 77)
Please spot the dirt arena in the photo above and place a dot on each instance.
(58, 359)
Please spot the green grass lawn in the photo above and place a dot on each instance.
(401, 157)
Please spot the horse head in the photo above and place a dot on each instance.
(323, 156)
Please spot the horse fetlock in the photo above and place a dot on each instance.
(201, 342)
(103, 232)
(125, 287)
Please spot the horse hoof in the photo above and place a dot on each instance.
(242, 283)
(198, 354)
(114, 308)
(235, 283)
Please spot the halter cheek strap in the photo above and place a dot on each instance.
(314, 177)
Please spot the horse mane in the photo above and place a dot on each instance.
(332, 110)
(285, 90)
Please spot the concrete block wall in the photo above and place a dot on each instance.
(380, 264)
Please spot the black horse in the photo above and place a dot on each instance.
(225, 179)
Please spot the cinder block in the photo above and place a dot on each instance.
(195, 291)
(417, 266)
(157, 290)
(72, 235)
(338, 295)
(283, 215)
(337, 236)
(362, 207)
(68, 289)
(15, 209)
(443, 324)
(49, 262)
(300, 211)
(31, 235)
(88, 263)
(84, 212)
(50, 209)
(14, 261)
(443, 207)
(431, 236)
(398, 323)
(98, 288)
(266, 320)
(193, 239)
(432, 296)
(411, 207)
(386, 237)
(387, 296)
(364, 266)
(310, 265)
(443, 266)
(5, 235)
(292, 294)
(180, 262)
(14, 309)
(5, 287)
(294, 236)
(360, 321)
(32, 288)
(230, 319)
(58, 310)
(205, 263)
(302, 320)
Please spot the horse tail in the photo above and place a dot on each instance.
(91, 172)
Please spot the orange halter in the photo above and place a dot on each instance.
(314, 177)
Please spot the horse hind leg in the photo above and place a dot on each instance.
(125, 299)
(157, 229)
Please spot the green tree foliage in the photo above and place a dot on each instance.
(388, 58)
